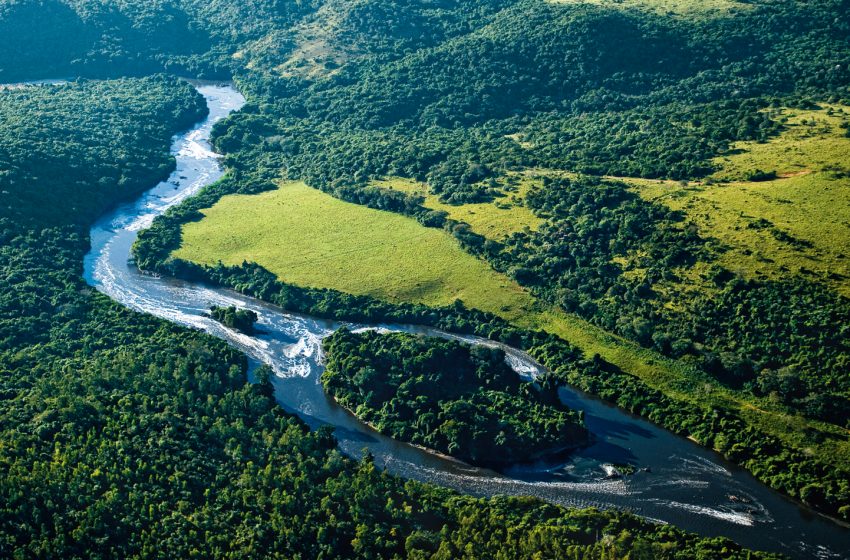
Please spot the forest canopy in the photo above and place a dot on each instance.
(462, 400)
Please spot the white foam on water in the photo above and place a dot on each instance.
(704, 464)
(678, 482)
(731, 516)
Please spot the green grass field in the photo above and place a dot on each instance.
(494, 220)
(311, 239)
(809, 201)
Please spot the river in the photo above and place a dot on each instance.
(686, 485)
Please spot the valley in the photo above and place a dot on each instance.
(424, 279)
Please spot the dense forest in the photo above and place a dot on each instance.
(81, 136)
(458, 399)
(124, 435)
(146, 436)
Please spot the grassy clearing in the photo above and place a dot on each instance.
(683, 8)
(495, 220)
(311, 239)
(318, 52)
(797, 223)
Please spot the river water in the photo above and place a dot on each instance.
(686, 485)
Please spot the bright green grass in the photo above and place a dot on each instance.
(494, 220)
(309, 238)
(684, 8)
(809, 201)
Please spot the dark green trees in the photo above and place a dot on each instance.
(459, 399)
(240, 319)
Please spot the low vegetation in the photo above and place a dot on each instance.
(458, 399)
(679, 8)
(794, 225)
(494, 220)
(311, 239)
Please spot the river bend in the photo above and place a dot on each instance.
(686, 485)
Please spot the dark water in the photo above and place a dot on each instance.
(686, 485)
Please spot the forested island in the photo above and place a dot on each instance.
(461, 400)
(240, 319)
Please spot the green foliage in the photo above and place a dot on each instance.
(65, 139)
(120, 37)
(581, 87)
(575, 87)
(610, 257)
(240, 319)
(454, 94)
(458, 399)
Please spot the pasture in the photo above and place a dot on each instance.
(494, 220)
(309, 238)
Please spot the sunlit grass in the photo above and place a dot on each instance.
(808, 201)
(684, 8)
(309, 238)
(495, 220)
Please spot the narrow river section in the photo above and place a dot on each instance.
(679, 482)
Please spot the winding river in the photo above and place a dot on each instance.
(685, 485)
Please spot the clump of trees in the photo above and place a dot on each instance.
(458, 399)
(240, 319)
